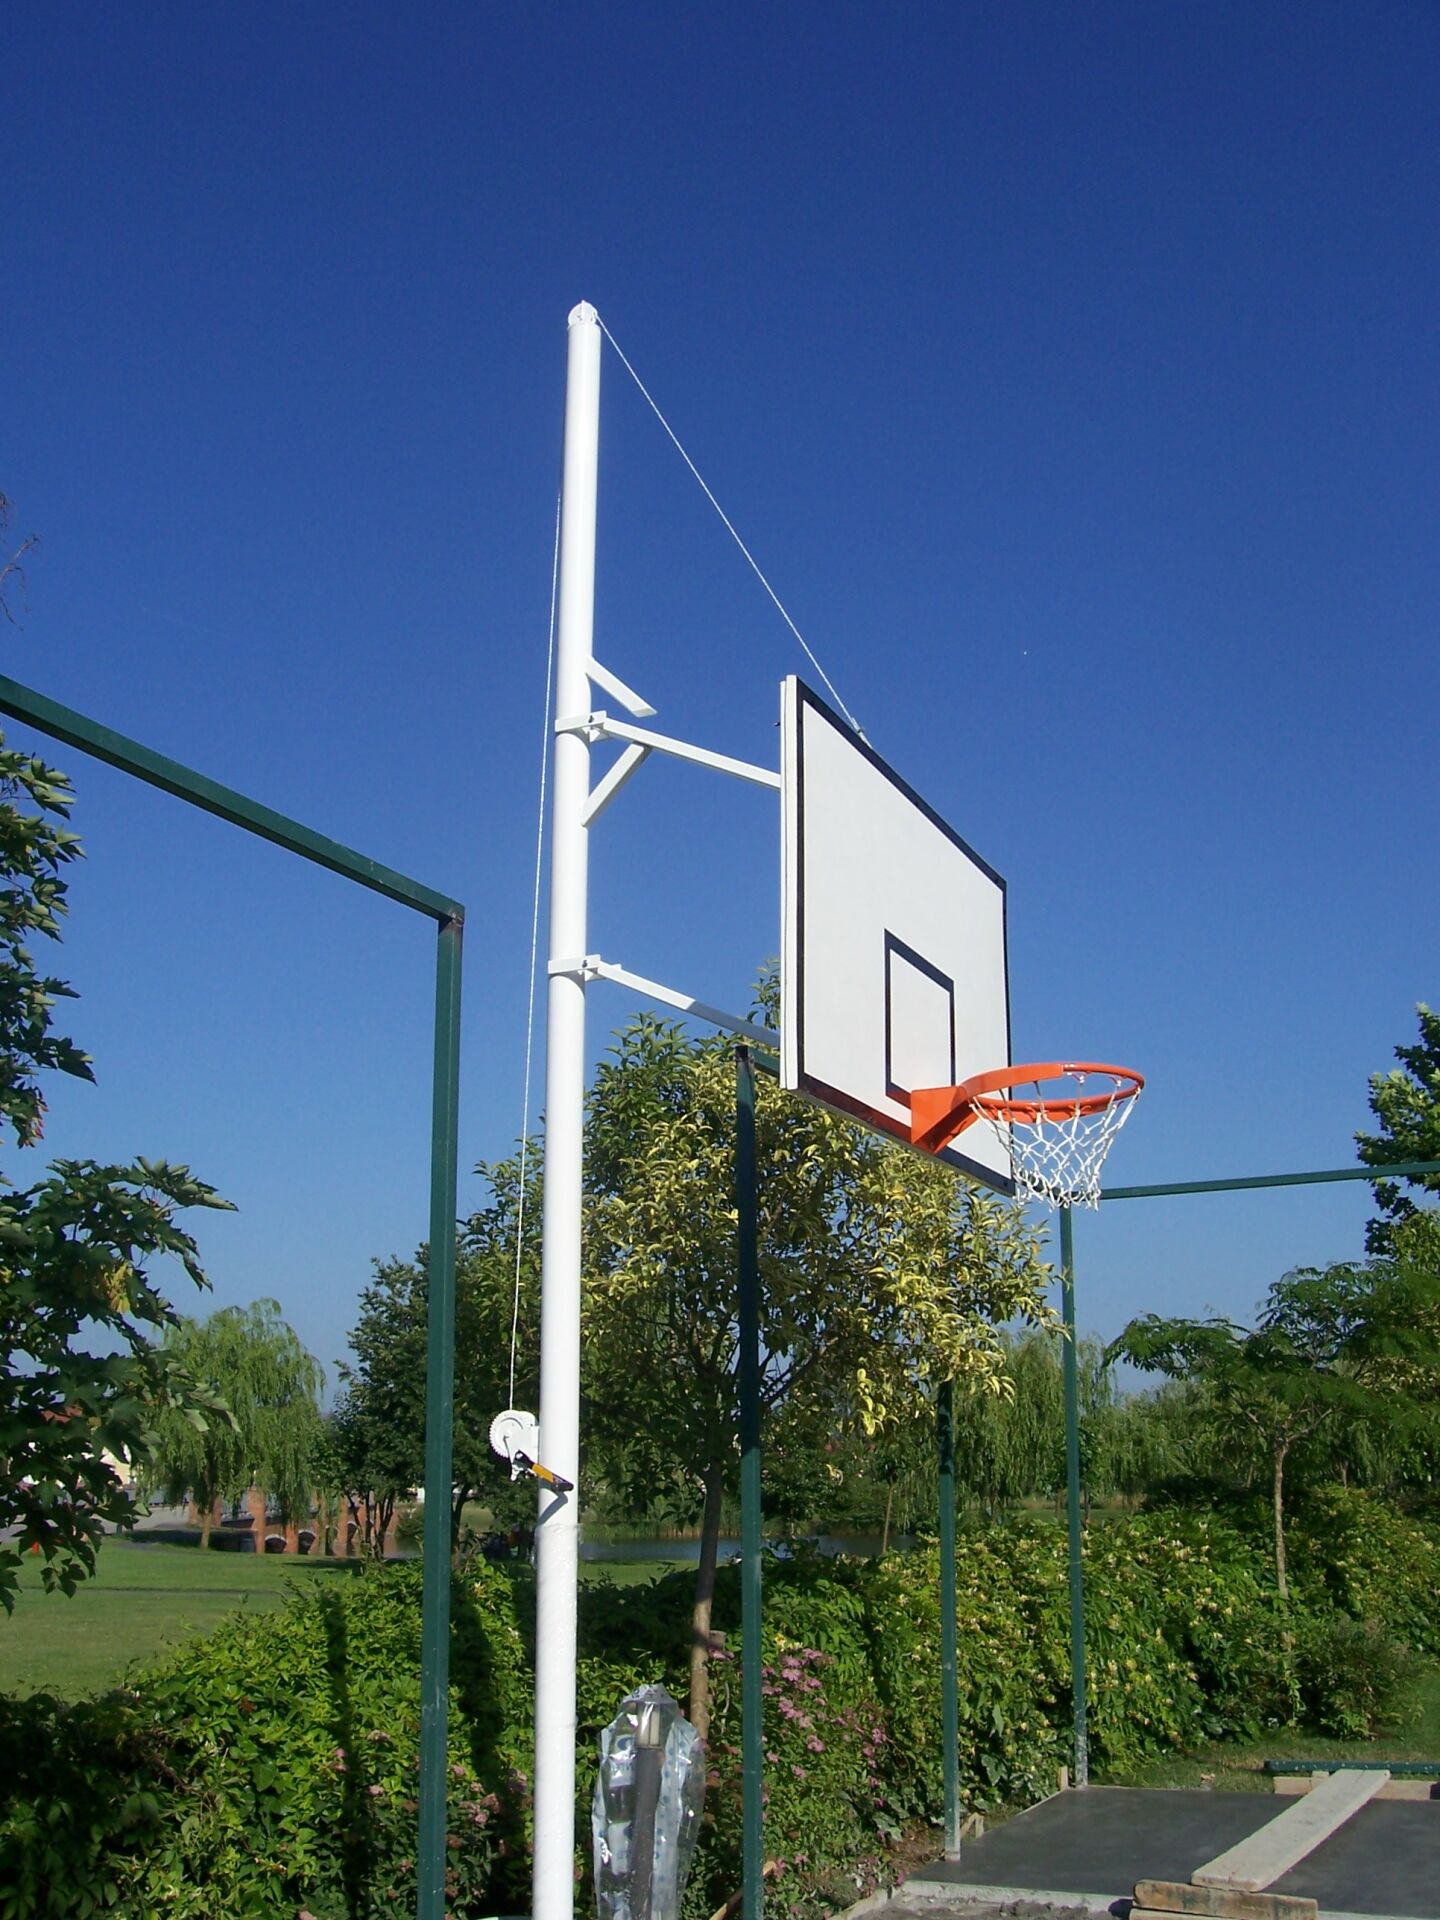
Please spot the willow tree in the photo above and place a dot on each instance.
(880, 1273)
(249, 1363)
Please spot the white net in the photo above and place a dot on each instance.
(1057, 1141)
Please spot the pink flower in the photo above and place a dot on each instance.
(815, 1744)
(800, 1773)
(376, 1793)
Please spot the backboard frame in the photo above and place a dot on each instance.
(904, 966)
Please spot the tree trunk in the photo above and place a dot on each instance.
(1282, 1584)
(207, 1521)
(704, 1600)
(885, 1530)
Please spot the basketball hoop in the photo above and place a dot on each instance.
(1057, 1142)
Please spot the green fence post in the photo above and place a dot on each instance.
(949, 1692)
(1072, 1504)
(439, 1422)
(752, 1742)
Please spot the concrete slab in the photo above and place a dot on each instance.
(1294, 1833)
(1101, 1840)
(1385, 1859)
(1090, 1847)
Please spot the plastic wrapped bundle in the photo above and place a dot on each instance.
(648, 1799)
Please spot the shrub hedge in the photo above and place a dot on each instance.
(269, 1771)
(1361, 1557)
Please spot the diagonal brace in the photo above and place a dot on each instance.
(591, 967)
(600, 726)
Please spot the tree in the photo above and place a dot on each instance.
(1332, 1343)
(382, 1412)
(250, 1363)
(366, 1466)
(1145, 1441)
(1406, 1103)
(880, 1272)
(1402, 1453)
(1011, 1445)
(12, 567)
(81, 1380)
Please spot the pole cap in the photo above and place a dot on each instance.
(584, 312)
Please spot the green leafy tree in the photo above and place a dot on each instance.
(880, 1273)
(249, 1364)
(82, 1382)
(1401, 1455)
(1406, 1104)
(381, 1416)
(1337, 1343)
(368, 1466)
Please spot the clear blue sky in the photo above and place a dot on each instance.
(1071, 372)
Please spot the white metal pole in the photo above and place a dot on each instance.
(557, 1528)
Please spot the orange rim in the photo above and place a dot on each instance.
(939, 1114)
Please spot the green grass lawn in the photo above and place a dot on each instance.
(147, 1597)
(1233, 1767)
(628, 1573)
(143, 1599)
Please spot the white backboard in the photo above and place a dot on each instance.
(892, 962)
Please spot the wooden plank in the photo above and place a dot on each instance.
(1409, 1790)
(1168, 1913)
(1297, 1783)
(1263, 1857)
(1218, 1903)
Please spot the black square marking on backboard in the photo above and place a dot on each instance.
(895, 948)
